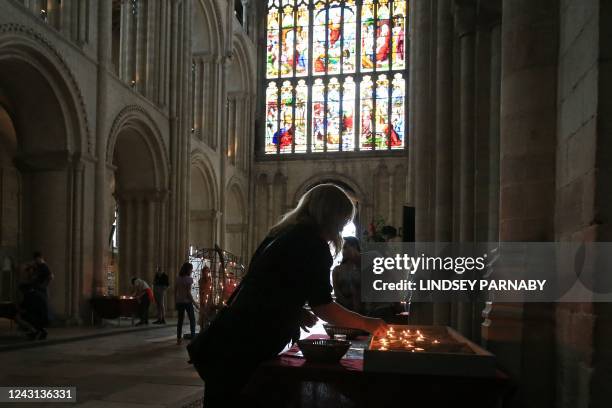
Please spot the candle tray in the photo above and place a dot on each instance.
(427, 350)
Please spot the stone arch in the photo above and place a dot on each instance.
(330, 177)
(242, 66)
(207, 31)
(138, 185)
(24, 46)
(262, 200)
(240, 90)
(235, 218)
(138, 122)
(40, 160)
(203, 202)
(353, 188)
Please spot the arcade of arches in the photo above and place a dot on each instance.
(132, 130)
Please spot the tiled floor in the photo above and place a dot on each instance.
(131, 370)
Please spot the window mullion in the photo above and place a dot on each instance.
(279, 112)
(342, 3)
(374, 77)
(358, 78)
(390, 87)
(294, 82)
(309, 77)
(326, 77)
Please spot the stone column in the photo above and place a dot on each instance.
(465, 25)
(493, 233)
(66, 20)
(150, 239)
(444, 138)
(465, 19)
(125, 244)
(522, 335)
(422, 118)
(104, 64)
(231, 127)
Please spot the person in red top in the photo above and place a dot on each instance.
(143, 293)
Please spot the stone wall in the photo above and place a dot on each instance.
(378, 184)
(576, 177)
(101, 95)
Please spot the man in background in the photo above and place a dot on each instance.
(160, 286)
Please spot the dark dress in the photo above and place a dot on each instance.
(264, 316)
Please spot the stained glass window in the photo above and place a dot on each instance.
(336, 75)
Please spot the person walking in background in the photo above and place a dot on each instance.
(346, 277)
(143, 293)
(160, 285)
(35, 306)
(184, 301)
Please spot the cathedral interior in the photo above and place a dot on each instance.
(136, 135)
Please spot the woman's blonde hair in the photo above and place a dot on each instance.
(327, 207)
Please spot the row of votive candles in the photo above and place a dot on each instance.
(405, 338)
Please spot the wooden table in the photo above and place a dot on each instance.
(288, 381)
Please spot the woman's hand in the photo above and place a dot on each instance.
(376, 327)
(307, 320)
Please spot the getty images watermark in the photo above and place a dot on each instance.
(490, 271)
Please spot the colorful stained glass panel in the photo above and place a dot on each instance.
(271, 117)
(349, 37)
(382, 112)
(301, 116)
(398, 93)
(399, 35)
(333, 115)
(273, 44)
(285, 134)
(366, 113)
(348, 114)
(368, 55)
(319, 53)
(287, 41)
(318, 116)
(302, 42)
(383, 35)
(334, 37)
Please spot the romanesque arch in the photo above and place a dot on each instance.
(41, 161)
(138, 185)
(203, 203)
(235, 219)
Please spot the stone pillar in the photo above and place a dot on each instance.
(150, 240)
(422, 118)
(411, 141)
(522, 335)
(495, 90)
(66, 20)
(104, 64)
(465, 19)
(125, 245)
(444, 138)
(465, 25)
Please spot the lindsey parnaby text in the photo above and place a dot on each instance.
(466, 285)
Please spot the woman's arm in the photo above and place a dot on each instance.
(337, 315)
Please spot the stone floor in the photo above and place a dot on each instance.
(142, 368)
(11, 338)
